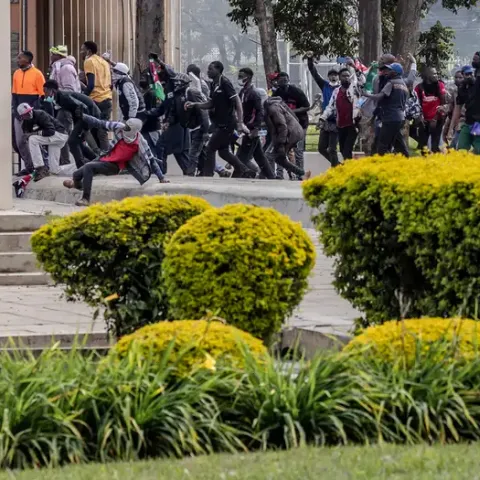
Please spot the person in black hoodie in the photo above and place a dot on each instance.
(151, 125)
(175, 138)
(77, 104)
(41, 129)
(253, 117)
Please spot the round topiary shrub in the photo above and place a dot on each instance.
(394, 340)
(191, 345)
(248, 264)
(110, 255)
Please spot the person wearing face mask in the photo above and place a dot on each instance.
(391, 105)
(131, 101)
(298, 102)
(344, 106)
(328, 141)
(27, 87)
(451, 132)
(432, 95)
(468, 98)
(253, 116)
(227, 113)
(129, 151)
(41, 129)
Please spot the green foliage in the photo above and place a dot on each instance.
(403, 233)
(72, 408)
(191, 345)
(114, 251)
(436, 47)
(248, 264)
(64, 408)
(319, 26)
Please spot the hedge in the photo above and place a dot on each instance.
(404, 234)
(247, 264)
(191, 345)
(114, 251)
(404, 340)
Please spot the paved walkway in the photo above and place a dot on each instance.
(42, 311)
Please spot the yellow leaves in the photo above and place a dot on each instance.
(112, 297)
(192, 345)
(394, 339)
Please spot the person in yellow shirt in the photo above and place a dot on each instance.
(99, 86)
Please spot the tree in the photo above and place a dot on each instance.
(436, 47)
(407, 26)
(150, 28)
(268, 35)
(369, 29)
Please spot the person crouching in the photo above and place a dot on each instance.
(130, 151)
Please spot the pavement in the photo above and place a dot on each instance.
(41, 311)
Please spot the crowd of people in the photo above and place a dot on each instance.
(195, 118)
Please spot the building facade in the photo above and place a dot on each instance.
(36, 25)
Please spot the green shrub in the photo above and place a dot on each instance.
(248, 264)
(191, 344)
(404, 234)
(401, 340)
(115, 251)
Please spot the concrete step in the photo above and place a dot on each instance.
(21, 222)
(20, 262)
(25, 279)
(15, 241)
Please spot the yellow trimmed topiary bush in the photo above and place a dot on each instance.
(400, 339)
(114, 251)
(403, 232)
(192, 345)
(247, 264)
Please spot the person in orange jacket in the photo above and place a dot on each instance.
(27, 87)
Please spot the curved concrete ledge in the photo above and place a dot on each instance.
(285, 196)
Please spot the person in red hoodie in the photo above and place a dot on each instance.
(432, 95)
(129, 145)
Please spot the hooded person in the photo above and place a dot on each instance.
(132, 104)
(129, 151)
(286, 132)
(175, 137)
(63, 69)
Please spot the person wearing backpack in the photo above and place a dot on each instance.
(286, 132)
(432, 95)
(130, 99)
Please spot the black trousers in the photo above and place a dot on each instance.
(252, 148)
(101, 135)
(83, 177)
(347, 136)
(426, 132)
(280, 155)
(327, 146)
(390, 136)
(198, 139)
(75, 141)
(220, 142)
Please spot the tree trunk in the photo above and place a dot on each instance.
(150, 31)
(370, 30)
(407, 26)
(268, 35)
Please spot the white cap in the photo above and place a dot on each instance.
(23, 109)
(121, 68)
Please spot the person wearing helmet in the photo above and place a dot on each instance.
(129, 151)
(130, 99)
(40, 128)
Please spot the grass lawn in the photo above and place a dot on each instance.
(457, 462)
